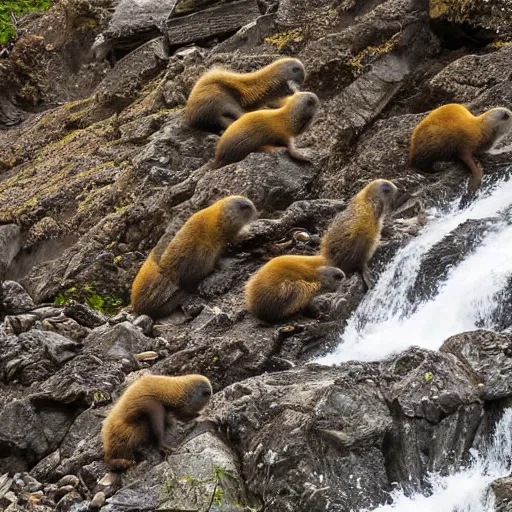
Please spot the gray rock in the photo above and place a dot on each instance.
(487, 353)
(15, 299)
(117, 342)
(282, 421)
(35, 355)
(218, 20)
(10, 242)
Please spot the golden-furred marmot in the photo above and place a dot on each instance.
(139, 416)
(258, 130)
(452, 131)
(183, 261)
(286, 284)
(354, 234)
(221, 96)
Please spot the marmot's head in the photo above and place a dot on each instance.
(303, 107)
(236, 213)
(292, 72)
(383, 194)
(199, 392)
(500, 120)
(331, 278)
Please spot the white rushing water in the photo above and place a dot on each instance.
(387, 322)
(468, 489)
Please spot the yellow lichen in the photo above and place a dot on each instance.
(372, 51)
(281, 39)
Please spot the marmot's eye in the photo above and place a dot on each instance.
(206, 393)
(386, 188)
(310, 102)
(505, 115)
(296, 69)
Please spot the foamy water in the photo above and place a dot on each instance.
(387, 322)
(466, 490)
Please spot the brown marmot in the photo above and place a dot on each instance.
(139, 416)
(286, 284)
(183, 261)
(221, 96)
(354, 234)
(267, 129)
(452, 131)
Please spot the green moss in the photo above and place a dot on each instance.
(117, 259)
(18, 7)
(281, 39)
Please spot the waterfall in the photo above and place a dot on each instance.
(387, 321)
(468, 489)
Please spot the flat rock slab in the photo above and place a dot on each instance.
(219, 20)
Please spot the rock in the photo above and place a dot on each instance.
(31, 430)
(66, 480)
(447, 254)
(145, 323)
(459, 23)
(217, 21)
(281, 181)
(84, 314)
(466, 78)
(117, 342)
(97, 501)
(281, 421)
(202, 471)
(437, 402)
(67, 502)
(35, 355)
(10, 242)
(489, 355)
(15, 299)
(132, 24)
(503, 491)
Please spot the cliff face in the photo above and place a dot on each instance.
(96, 164)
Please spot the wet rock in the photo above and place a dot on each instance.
(15, 299)
(446, 255)
(503, 491)
(282, 421)
(489, 355)
(35, 355)
(437, 406)
(68, 502)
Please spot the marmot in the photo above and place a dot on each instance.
(221, 96)
(265, 129)
(286, 284)
(140, 414)
(354, 234)
(183, 261)
(452, 131)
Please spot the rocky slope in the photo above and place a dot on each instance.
(96, 164)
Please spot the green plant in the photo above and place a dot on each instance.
(107, 305)
(18, 8)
